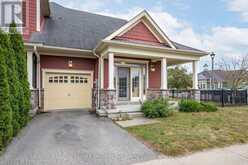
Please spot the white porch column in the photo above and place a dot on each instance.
(111, 71)
(30, 68)
(164, 84)
(101, 60)
(195, 74)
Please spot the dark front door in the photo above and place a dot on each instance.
(123, 83)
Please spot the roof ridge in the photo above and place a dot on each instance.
(81, 11)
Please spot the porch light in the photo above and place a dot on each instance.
(70, 64)
(152, 67)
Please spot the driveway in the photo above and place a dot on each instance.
(73, 138)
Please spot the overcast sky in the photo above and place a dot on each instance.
(212, 25)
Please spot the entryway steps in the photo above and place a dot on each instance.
(132, 110)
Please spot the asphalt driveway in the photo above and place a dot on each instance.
(73, 138)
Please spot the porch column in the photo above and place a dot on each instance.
(195, 74)
(164, 83)
(111, 71)
(101, 61)
(30, 68)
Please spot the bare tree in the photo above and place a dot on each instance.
(236, 71)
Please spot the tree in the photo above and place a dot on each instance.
(178, 78)
(21, 66)
(6, 130)
(12, 80)
(236, 71)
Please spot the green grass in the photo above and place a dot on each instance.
(185, 133)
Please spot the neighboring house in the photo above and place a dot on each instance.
(205, 78)
(221, 79)
(78, 59)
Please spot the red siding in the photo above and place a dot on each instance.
(155, 76)
(58, 62)
(139, 33)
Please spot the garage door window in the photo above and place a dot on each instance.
(68, 79)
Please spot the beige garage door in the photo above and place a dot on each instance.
(67, 91)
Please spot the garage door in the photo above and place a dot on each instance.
(67, 91)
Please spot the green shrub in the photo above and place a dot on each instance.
(209, 107)
(189, 106)
(195, 106)
(156, 108)
(6, 130)
(20, 54)
(12, 80)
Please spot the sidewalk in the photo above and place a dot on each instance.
(234, 155)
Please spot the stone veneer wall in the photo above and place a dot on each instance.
(158, 93)
(34, 101)
(186, 94)
(94, 99)
(108, 99)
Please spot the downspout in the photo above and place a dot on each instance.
(38, 75)
(99, 78)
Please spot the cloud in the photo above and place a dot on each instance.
(226, 42)
(240, 6)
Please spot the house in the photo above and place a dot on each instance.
(78, 59)
(222, 79)
(205, 78)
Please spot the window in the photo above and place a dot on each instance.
(72, 79)
(50, 79)
(55, 79)
(65, 79)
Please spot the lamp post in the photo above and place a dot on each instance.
(212, 55)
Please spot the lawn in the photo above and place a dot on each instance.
(184, 133)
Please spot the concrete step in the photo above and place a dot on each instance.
(129, 108)
(135, 114)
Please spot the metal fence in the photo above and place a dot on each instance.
(225, 97)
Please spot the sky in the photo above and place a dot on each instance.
(219, 26)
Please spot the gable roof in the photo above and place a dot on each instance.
(219, 75)
(75, 29)
(71, 28)
(143, 16)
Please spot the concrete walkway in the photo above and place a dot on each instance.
(234, 155)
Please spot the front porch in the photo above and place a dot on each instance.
(130, 76)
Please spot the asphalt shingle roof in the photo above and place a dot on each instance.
(78, 29)
(75, 29)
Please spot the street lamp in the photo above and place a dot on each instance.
(212, 55)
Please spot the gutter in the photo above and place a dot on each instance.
(99, 78)
(38, 75)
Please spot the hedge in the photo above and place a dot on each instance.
(14, 87)
(21, 63)
(6, 129)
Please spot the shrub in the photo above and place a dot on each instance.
(195, 106)
(12, 80)
(156, 108)
(189, 106)
(6, 130)
(209, 107)
(20, 56)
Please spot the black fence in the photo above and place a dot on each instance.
(225, 97)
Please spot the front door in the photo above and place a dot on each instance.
(135, 84)
(123, 83)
